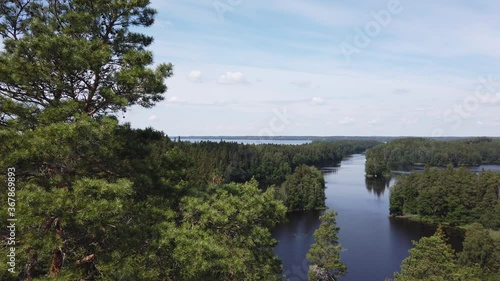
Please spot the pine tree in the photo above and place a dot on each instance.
(63, 58)
(225, 234)
(432, 259)
(324, 254)
(480, 250)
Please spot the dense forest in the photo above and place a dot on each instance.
(403, 154)
(290, 169)
(97, 200)
(101, 201)
(455, 196)
(452, 196)
(268, 163)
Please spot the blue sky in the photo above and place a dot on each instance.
(317, 67)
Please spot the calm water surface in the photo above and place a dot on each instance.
(374, 244)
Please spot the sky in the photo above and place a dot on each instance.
(326, 68)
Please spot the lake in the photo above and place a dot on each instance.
(248, 141)
(374, 244)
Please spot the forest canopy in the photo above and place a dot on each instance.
(405, 153)
(268, 163)
(455, 196)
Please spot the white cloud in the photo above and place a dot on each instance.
(152, 117)
(317, 101)
(230, 78)
(347, 120)
(195, 76)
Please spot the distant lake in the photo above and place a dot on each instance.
(374, 244)
(249, 141)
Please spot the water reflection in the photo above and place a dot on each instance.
(416, 230)
(294, 240)
(377, 185)
(330, 170)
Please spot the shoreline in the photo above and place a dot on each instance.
(495, 234)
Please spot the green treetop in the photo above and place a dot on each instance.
(304, 189)
(481, 250)
(324, 254)
(432, 259)
(63, 58)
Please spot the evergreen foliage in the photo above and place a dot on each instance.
(304, 189)
(402, 154)
(268, 163)
(482, 251)
(455, 196)
(63, 58)
(432, 259)
(324, 254)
